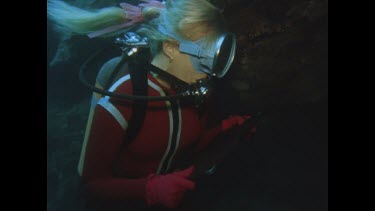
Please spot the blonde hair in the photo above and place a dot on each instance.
(182, 14)
(69, 19)
(179, 17)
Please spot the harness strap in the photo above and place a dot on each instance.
(138, 77)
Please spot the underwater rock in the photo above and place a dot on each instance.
(63, 52)
(283, 60)
(240, 85)
(312, 10)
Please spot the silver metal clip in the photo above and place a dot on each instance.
(130, 42)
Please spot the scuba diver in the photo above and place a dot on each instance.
(151, 105)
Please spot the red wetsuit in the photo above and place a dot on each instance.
(112, 171)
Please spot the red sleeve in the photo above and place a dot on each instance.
(210, 134)
(206, 137)
(101, 151)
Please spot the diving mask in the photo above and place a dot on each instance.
(212, 58)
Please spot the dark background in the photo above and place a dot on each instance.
(280, 69)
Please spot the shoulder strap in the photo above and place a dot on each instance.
(138, 77)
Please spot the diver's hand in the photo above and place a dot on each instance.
(169, 189)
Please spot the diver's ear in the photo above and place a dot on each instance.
(170, 48)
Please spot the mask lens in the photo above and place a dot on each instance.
(225, 55)
(215, 59)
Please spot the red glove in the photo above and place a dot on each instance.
(168, 189)
(233, 121)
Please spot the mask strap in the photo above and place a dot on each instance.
(190, 48)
